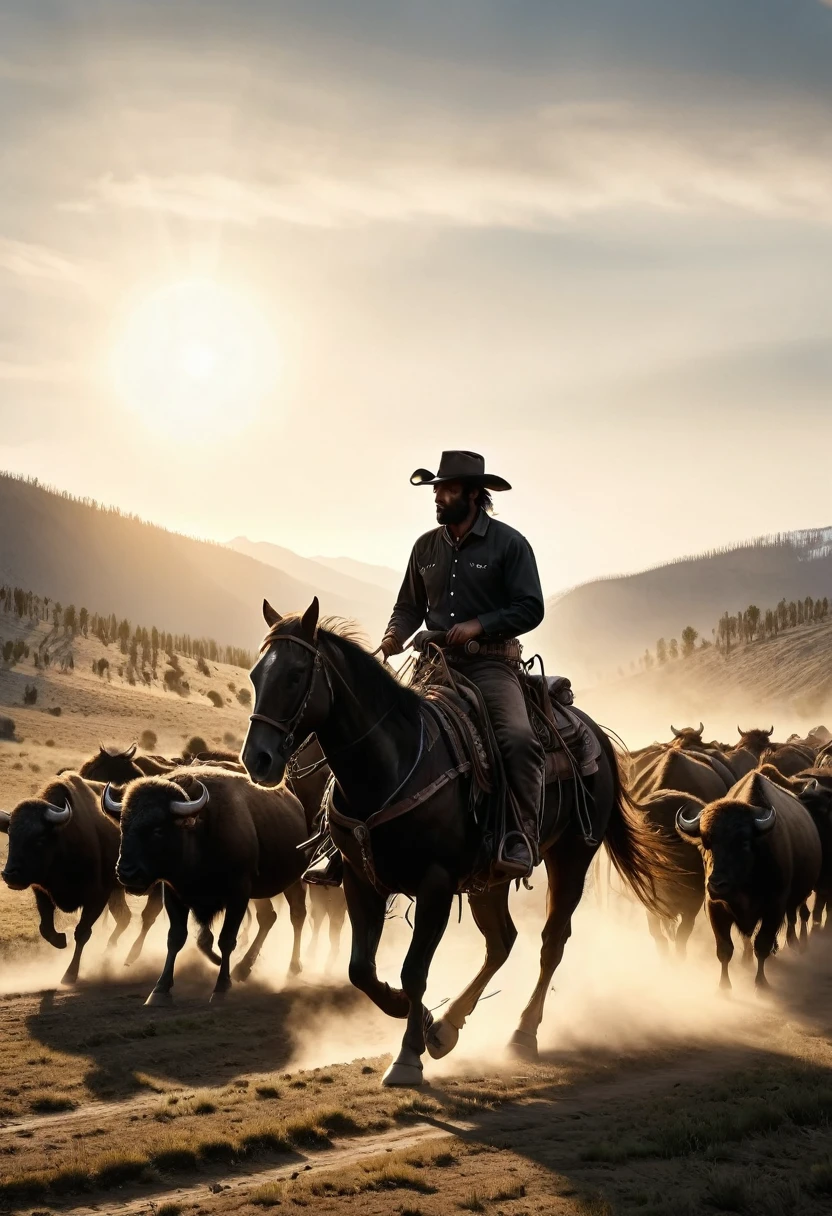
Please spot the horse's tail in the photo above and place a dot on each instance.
(634, 847)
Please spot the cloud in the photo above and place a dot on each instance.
(37, 262)
(538, 169)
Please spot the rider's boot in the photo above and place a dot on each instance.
(327, 868)
(518, 854)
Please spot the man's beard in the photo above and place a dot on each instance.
(453, 512)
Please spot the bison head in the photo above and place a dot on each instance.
(111, 765)
(816, 796)
(727, 834)
(687, 736)
(755, 741)
(33, 827)
(153, 815)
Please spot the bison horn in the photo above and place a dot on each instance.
(688, 824)
(184, 809)
(131, 751)
(813, 784)
(769, 732)
(701, 728)
(109, 803)
(5, 819)
(677, 733)
(58, 815)
(764, 821)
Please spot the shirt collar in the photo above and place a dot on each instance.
(478, 528)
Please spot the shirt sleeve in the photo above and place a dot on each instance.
(411, 606)
(525, 595)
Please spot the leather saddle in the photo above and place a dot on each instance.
(570, 748)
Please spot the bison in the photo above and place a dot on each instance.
(816, 796)
(119, 767)
(680, 770)
(688, 736)
(216, 841)
(684, 896)
(65, 848)
(762, 857)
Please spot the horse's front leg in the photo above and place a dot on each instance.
(433, 907)
(366, 909)
(492, 918)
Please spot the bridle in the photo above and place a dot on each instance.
(288, 726)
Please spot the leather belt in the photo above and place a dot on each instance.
(510, 650)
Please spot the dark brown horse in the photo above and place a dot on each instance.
(372, 731)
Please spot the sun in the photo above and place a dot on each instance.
(196, 359)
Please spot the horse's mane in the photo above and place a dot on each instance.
(349, 640)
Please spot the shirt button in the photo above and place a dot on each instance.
(452, 614)
(452, 593)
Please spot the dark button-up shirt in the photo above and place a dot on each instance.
(491, 574)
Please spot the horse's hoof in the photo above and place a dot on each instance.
(58, 941)
(441, 1038)
(403, 1075)
(295, 969)
(240, 973)
(159, 998)
(218, 996)
(523, 1046)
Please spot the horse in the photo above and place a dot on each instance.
(315, 676)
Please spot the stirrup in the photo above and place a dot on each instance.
(327, 870)
(512, 868)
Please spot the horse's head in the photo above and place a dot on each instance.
(291, 693)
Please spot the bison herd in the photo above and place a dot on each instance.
(747, 827)
(192, 833)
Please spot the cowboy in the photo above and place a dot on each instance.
(475, 579)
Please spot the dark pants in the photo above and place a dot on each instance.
(519, 745)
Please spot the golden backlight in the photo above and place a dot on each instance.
(195, 358)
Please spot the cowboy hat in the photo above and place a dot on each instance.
(460, 466)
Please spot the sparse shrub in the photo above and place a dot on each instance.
(50, 743)
(6, 727)
(8, 648)
(30, 694)
(148, 740)
(244, 696)
(232, 687)
(202, 667)
(54, 710)
(215, 698)
(194, 746)
(231, 740)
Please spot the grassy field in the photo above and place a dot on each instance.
(652, 1095)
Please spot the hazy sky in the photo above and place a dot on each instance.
(590, 239)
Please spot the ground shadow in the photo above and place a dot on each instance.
(193, 1043)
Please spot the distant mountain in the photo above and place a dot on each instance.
(593, 629)
(78, 552)
(381, 576)
(371, 601)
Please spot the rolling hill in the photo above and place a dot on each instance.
(79, 552)
(785, 681)
(593, 629)
(371, 601)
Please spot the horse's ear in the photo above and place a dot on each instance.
(270, 615)
(309, 620)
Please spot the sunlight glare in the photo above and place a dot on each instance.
(195, 358)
